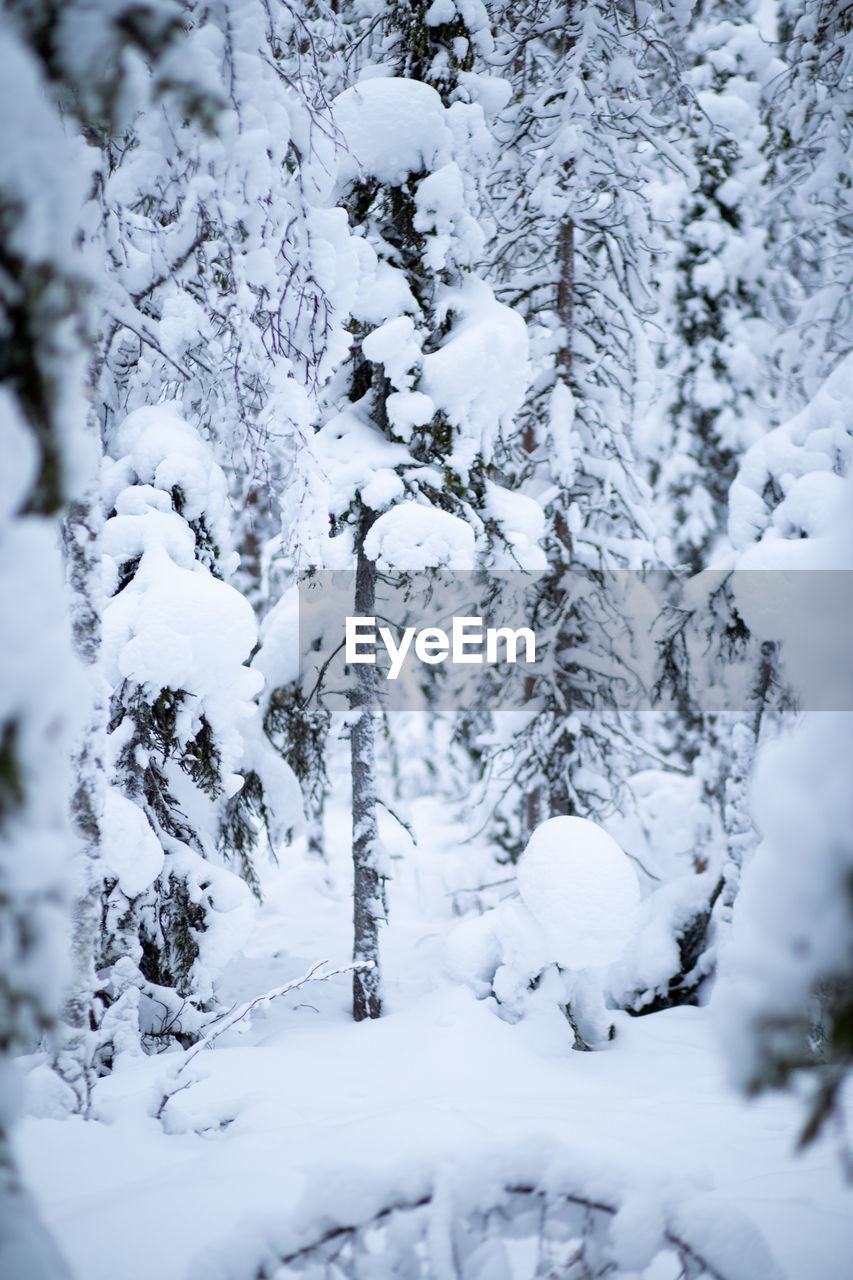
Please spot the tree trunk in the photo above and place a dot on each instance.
(535, 802)
(75, 1040)
(368, 885)
(566, 297)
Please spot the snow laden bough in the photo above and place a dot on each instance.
(453, 360)
(183, 727)
(504, 1213)
(551, 947)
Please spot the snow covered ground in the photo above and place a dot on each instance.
(306, 1119)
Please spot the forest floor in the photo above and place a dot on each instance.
(304, 1102)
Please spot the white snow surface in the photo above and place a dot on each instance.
(304, 1120)
(583, 891)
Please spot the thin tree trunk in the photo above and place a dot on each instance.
(75, 1042)
(534, 802)
(368, 885)
(566, 297)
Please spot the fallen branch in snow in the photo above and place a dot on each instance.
(237, 1013)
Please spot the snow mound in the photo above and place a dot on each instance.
(522, 522)
(392, 127)
(578, 884)
(479, 376)
(129, 847)
(411, 536)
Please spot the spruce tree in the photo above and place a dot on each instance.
(809, 184)
(436, 366)
(574, 251)
(721, 310)
(176, 637)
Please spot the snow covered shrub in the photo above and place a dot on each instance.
(495, 1211)
(576, 911)
(175, 641)
(676, 840)
(784, 1006)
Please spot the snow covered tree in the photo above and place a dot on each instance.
(176, 637)
(810, 172)
(226, 280)
(574, 250)
(222, 272)
(437, 364)
(722, 312)
(785, 1003)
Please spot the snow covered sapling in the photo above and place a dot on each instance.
(577, 909)
(175, 640)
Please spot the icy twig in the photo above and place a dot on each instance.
(238, 1012)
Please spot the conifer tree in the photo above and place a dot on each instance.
(810, 170)
(574, 252)
(437, 365)
(226, 288)
(176, 637)
(717, 373)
